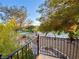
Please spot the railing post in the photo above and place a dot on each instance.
(38, 45)
(0, 56)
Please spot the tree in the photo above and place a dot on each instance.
(13, 16)
(63, 15)
(13, 12)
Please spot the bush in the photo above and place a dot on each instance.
(8, 38)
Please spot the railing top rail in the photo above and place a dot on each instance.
(57, 37)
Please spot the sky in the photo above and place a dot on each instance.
(30, 5)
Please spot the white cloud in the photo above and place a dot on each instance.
(36, 23)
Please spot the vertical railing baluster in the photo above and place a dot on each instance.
(22, 54)
(41, 44)
(11, 57)
(76, 49)
(58, 47)
(0, 56)
(26, 56)
(55, 43)
(52, 44)
(47, 45)
(60, 44)
(67, 47)
(70, 51)
(64, 45)
(17, 55)
(38, 45)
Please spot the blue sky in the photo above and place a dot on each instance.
(30, 5)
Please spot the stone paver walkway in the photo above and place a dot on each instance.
(45, 57)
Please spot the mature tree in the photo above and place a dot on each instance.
(63, 15)
(13, 12)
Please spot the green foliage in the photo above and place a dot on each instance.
(25, 54)
(7, 38)
(13, 19)
(63, 15)
(30, 54)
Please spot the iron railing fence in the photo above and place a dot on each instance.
(24, 52)
(59, 47)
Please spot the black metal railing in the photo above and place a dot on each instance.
(59, 47)
(24, 52)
